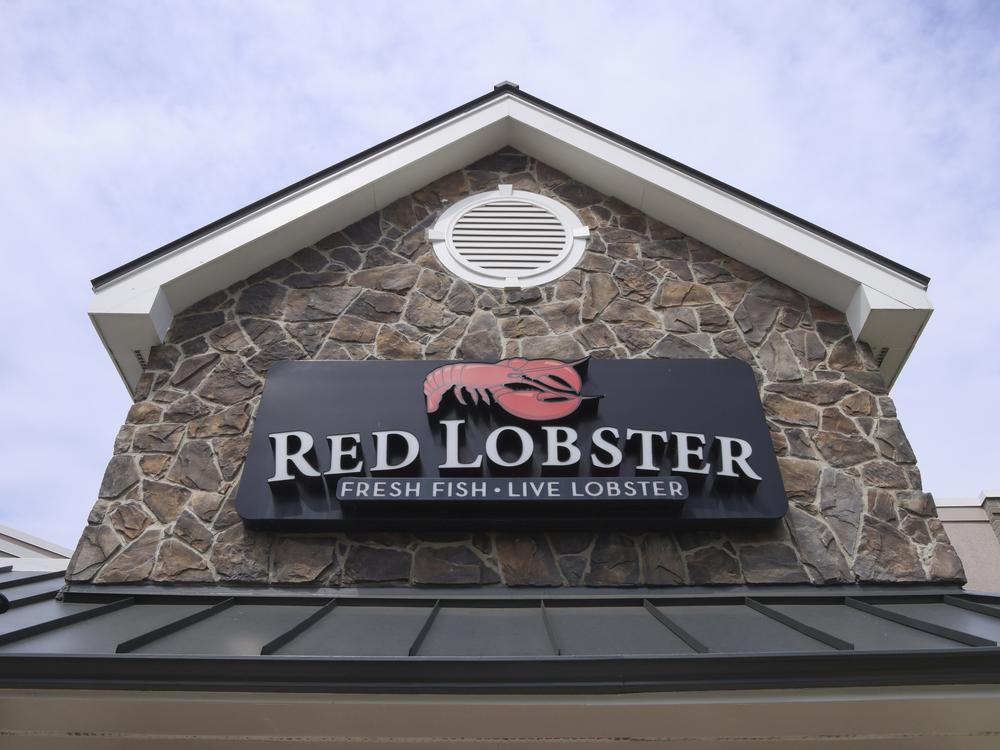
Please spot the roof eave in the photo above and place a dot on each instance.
(886, 303)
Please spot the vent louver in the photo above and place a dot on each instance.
(509, 238)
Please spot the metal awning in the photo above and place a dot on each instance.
(491, 639)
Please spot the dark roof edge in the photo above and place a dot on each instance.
(500, 90)
(719, 594)
(463, 675)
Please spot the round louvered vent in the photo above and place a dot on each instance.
(509, 238)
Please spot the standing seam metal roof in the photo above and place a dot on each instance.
(393, 640)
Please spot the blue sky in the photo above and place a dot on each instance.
(126, 125)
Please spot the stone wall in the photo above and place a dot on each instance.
(165, 509)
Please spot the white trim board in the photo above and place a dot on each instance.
(886, 308)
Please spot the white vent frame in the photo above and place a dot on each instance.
(560, 260)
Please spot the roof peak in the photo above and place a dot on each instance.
(885, 302)
(500, 89)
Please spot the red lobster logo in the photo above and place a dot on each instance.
(537, 389)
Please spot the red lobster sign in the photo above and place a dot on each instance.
(536, 389)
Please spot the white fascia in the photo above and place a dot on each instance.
(133, 312)
(886, 309)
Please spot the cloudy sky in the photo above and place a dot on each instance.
(125, 125)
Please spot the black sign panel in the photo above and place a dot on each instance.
(517, 444)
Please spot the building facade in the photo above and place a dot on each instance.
(974, 528)
(21, 551)
(643, 289)
(510, 234)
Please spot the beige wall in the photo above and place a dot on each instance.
(951, 717)
(976, 543)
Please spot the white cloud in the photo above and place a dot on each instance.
(127, 125)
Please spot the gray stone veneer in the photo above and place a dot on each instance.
(165, 508)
